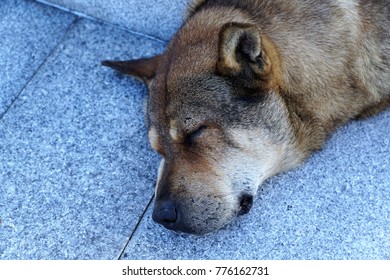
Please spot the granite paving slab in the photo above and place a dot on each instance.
(28, 31)
(158, 18)
(76, 170)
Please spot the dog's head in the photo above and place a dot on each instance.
(216, 116)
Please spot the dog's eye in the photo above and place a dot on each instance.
(192, 136)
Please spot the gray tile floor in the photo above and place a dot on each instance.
(77, 174)
(75, 170)
(157, 18)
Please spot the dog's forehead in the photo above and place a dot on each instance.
(195, 99)
(182, 83)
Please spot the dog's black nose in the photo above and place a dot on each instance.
(166, 213)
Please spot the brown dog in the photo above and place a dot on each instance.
(247, 89)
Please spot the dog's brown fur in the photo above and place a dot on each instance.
(247, 89)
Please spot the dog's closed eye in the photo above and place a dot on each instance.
(191, 137)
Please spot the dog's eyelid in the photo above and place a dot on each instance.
(196, 133)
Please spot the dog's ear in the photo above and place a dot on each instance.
(241, 54)
(144, 68)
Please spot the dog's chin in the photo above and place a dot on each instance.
(192, 230)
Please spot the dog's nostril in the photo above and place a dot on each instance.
(168, 215)
(165, 213)
(246, 203)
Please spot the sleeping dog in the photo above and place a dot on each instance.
(247, 89)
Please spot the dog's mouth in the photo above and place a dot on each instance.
(246, 203)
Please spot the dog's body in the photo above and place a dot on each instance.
(247, 89)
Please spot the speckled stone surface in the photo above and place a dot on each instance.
(336, 206)
(158, 18)
(28, 32)
(76, 171)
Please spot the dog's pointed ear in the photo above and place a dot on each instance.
(241, 53)
(144, 68)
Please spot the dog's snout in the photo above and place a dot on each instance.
(246, 202)
(166, 213)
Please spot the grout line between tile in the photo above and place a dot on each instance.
(84, 15)
(61, 39)
(136, 228)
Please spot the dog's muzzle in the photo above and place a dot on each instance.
(169, 213)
